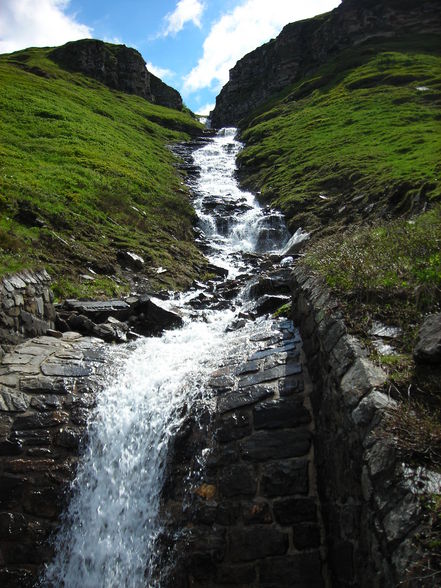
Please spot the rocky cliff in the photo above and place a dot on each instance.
(303, 46)
(117, 66)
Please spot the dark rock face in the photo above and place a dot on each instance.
(118, 67)
(303, 46)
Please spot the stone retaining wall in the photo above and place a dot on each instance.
(48, 387)
(26, 307)
(251, 516)
(370, 500)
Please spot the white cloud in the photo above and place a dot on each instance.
(27, 23)
(243, 29)
(160, 72)
(205, 109)
(185, 11)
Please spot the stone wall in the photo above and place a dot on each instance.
(48, 387)
(250, 516)
(26, 307)
(370, 499)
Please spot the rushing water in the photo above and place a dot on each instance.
(108, 533)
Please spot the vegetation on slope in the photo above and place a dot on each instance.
(86, 171)
(361, 137)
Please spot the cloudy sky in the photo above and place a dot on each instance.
(190, 44)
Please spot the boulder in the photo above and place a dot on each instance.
(428, 347)
(131, 260)
(149, 318)
(268, 303)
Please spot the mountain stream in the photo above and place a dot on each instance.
(107, 537)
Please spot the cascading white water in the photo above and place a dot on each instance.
(108, 533)
(111, 523)
(244, 225)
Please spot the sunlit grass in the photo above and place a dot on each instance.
(85, 170)
(366, 126)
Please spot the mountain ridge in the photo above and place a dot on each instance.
(303, 46)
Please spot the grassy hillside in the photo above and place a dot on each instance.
(359, 138)
(85, 171)
(353, 154)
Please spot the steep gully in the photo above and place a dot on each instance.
(198, 466)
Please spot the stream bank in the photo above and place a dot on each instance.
(246, 439)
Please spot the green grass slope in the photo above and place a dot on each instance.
(86, 171)
(359, 138)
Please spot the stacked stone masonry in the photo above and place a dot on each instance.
(252, 516)
(371, 501)
(26, 307)
(47, 388)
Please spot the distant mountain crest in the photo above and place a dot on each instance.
(303, 46)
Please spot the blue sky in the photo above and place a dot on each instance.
(190, 44)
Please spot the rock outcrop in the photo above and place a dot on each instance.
(117, 66)
(303, 46)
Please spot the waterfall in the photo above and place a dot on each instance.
(108, 532)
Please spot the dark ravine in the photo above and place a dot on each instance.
(286, 483)
(119, 67)
(303, 46)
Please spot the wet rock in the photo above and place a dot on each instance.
(269, 303)
(10, 448)
(151, 318)
(31, 438)
(291, 385)
(98, 310)
(113, 331)
(283, 478)
(295, 571)
(236, 575)
(237, 480)
(428, 347)
(221, 383)
(40, 420)
(46, 402)
(12, 401)
(257, 542)
(268, 352)
(274, 283)
(43, 385)
(275, 373)
(217, 270)
(66, 370)
(235, 400)
(281, 413)
(234, 426)
(265, 445)
(288, 511)
(306, 536)
(257, 513)
(68, 438)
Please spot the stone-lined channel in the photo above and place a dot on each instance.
(199, 449)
